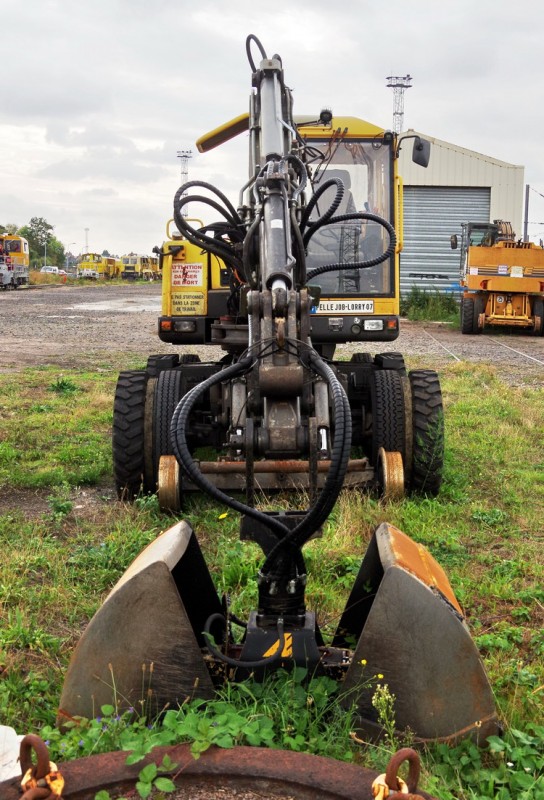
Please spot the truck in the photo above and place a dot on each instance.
(14, 261)
(502, 279)
(276, 405)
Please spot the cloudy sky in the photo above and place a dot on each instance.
(100, 95)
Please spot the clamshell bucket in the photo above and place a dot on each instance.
(410, 629)
(144, 640)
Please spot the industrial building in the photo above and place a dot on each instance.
(458, 185)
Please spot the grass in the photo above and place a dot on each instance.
(422, 304)
(485, 529)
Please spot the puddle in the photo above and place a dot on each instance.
(151, 304)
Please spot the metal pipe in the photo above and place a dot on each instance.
(288, 467)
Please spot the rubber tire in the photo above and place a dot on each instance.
(388, 413)
(157, 363)
(428, 432)
(467, 315)
(479, 308)
(128, 433)
(362, 358)
(167, 396)
(538, 311)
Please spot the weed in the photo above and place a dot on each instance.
(384, 702)
(512, 768)
(288, 710)
(60, 504)
(64, 386)
(421, 304)
(149, 778)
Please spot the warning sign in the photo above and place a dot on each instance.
(187, 274)
(287, 651)
(188, 303)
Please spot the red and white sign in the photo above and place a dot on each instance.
(187, 274)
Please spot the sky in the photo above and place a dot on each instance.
(99, 96)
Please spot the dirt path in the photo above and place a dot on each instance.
(66, 325)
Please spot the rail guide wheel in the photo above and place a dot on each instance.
(169, 484)
(390, 473)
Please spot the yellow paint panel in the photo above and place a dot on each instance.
(287, 651)
(188, 303)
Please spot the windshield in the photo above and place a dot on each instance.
(365, 168)
(481, 236)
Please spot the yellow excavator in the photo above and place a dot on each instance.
(308, 260)
(502, 279)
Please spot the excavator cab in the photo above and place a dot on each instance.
(275, 407)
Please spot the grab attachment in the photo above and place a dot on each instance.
(409, 627)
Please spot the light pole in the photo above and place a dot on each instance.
(45, 253)
(87, 239)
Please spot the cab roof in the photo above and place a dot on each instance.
(309, 127)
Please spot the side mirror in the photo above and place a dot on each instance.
(453, 241)
(421, 152)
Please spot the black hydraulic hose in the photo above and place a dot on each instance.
(253, 38)
(328, 213)
(287, 540)
(234, 217)
(299, 250)
(246, 261)
(178, 438)
(363, 215)
(218, 247)
(234, 662)
(335, 477)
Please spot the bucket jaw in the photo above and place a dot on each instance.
(145, 647)
(142, 648)
(410, 629)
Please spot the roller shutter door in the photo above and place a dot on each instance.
(431, 215)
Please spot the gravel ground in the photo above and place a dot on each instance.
(65, 325)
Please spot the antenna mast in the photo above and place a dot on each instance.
(399, 85)
(184, 156)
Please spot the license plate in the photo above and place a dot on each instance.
(344, 307)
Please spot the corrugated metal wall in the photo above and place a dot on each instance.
(431, 215)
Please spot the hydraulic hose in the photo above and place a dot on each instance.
(253, 38)
(178, 438)
(363, 215)
(335, 477)
(288, 539)
(328, 213)
(218, 247)
(234, 662)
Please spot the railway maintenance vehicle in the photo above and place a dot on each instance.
(307, 261)
(502, 279)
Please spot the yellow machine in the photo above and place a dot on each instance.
(135, 267)
(502, 279)
(307, 261)
(355, 304)
(14, 261)
(99, 266)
